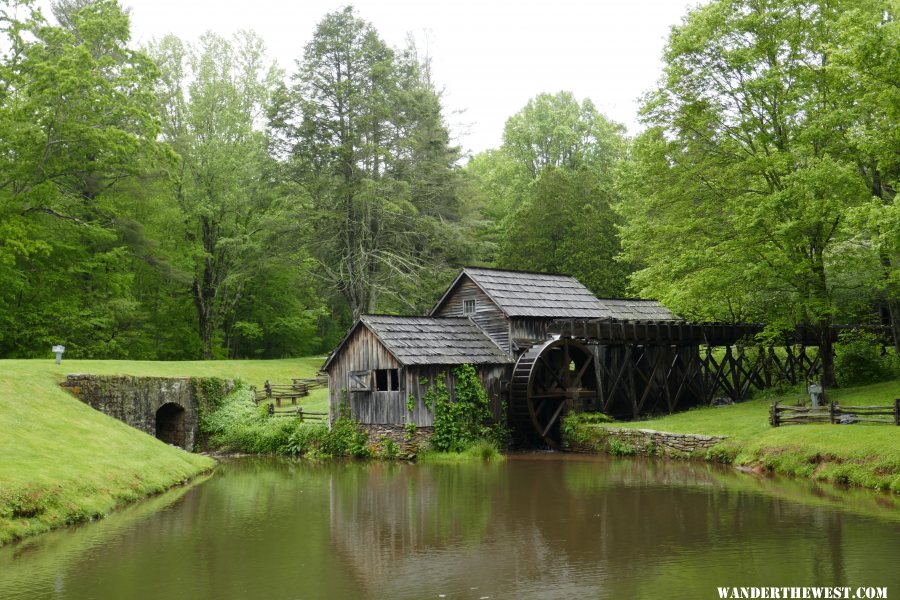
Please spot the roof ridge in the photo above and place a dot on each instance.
(502, 270)
(629, 299)
(412, 316)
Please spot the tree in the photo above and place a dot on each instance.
(867, 57)
(549, 190)
(76, 123)
(211, 99)
(743, 181)
(555, 130)
(363, 132)
(566, 225)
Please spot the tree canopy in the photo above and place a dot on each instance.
(190, 199)
(746, 180)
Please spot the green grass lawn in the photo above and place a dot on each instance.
(861, 454)
(64, 462)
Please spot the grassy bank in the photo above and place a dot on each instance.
(860, 454)
(62, 462)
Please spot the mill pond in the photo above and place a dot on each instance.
(545, 525)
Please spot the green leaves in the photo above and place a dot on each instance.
(363, 130)
(743, 185)
(465, 420)
(548, 191)
(553, 130)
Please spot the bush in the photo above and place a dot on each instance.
(305, 440)
(619, 448)
(859, 361)
(237, 424)
(344, 439)
(466, 421)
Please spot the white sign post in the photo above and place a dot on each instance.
(815, 393)
(59, 352)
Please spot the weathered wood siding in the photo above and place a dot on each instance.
(526, 331)
(363, 352)
(492, 377)
(487, 315)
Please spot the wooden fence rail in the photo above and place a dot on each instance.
(298, 388)
(799, 415)
(299, 413)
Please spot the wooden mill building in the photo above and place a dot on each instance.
(497, 320)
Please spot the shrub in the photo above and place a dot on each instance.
(344, 439)
(619, 448)
(579, 429)
(387, 448)
(304, 440)
(237, 424)
(466, 421)
(858, 359)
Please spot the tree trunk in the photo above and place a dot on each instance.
(205, 324)
(893, 307)
(826, 354)
(893, 304)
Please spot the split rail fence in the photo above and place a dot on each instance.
(298, 388)
(833, 413)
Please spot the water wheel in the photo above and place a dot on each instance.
(550, 380)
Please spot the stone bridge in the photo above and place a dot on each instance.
(167, 408)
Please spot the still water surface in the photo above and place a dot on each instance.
(534, 526)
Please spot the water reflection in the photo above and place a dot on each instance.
(548, 526)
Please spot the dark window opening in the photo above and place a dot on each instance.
(387, 380)
(469, 306)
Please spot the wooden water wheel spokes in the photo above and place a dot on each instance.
(549, 381)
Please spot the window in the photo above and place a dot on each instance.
(387, 380)
(360, 381)
(469, 306)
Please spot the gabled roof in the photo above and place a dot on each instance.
(429, 340)
(548, 295)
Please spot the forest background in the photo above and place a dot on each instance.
(190, 199)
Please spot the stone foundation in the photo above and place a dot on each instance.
(620, 440)
(164, 407)
(407, 444)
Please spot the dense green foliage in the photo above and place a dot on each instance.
(548, 192)
(190, 199)
(180, 201)
(754, 189)
(466, 420)
(238, 424)
(860, 359)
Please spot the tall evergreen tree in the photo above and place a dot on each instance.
(365, 139)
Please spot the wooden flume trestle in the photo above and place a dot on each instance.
(629, 369)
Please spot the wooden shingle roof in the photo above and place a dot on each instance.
(546, 295)
(629, 309)
(430, 340)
